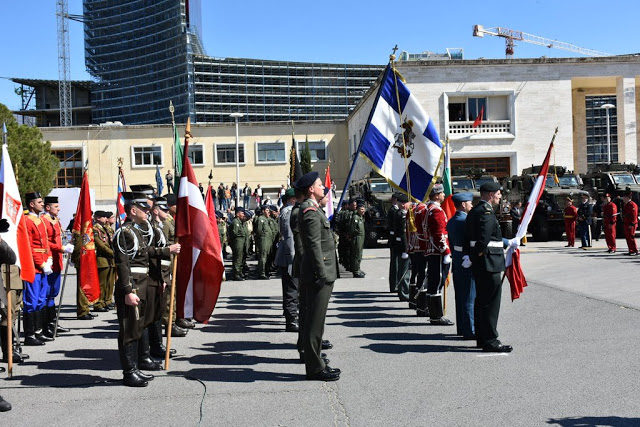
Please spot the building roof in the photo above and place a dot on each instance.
(83, 84)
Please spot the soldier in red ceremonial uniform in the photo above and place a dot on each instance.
(630, 222)
(54, 236)
(35, 293)
(438, 256)
(570, 217)
(609, 216)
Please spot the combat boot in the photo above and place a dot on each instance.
(29, 330)
(40, 326)
(422, 309)
(145, 362)
(436, 311)
(129, 359)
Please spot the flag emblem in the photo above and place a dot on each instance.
(12, 207)
(404, 139)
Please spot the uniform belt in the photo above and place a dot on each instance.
(493, 244)
(41, 251)
(139, 270)
(457, 248)
(165, 262)
(392, 232)
(398, 239)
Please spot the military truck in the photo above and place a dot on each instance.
(470, 180)
(548, 218)
(376, 192)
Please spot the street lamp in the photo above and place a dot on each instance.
(607, 107)
(236, 116)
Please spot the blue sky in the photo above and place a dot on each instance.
(359, 32)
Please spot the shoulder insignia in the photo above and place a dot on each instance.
(310, 208)
(487, 213)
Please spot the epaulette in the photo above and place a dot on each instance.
(487, 212)
(310, 208)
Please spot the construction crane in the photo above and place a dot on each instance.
(64, 72)
(511, 35)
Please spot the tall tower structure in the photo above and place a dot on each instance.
(138, 51)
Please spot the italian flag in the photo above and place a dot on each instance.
(447, 205)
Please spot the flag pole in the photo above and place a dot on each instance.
(64, 281)
(9, 346)
(172, 300)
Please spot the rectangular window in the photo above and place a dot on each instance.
(226, 154)
(496, 109)
(196, 155)
(70, 172)
(147, 156)
(596, 122)
(270, 152)
(318, 151)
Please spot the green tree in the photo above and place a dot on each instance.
(34, 164)
(305, 157)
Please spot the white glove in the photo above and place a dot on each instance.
(466, 262)
(514, 243)
(447, 259)
(47, 269)
(404, 255)
(49, 262)
(68, 248)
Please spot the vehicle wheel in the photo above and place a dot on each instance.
(371, 240)
(540, 230)
(507, 229)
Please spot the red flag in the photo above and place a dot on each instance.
(200, 265)
(17, 236)
(478, 121)
(83, 229)
(514, 270)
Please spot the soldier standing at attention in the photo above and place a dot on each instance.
(35, 293)
(262, 233)
(318, 275)
(238, 236)
(391, 227)
(438, 256)
(585, 219)
(630, 222)
(484, 252)
(104, 259)
(356, 238)
(110, 229)
(570, 216)
(609, 216)
(403, 275)
(136, 290)
(54, 235)
(463, 282)
(419, 260)
(284, 261)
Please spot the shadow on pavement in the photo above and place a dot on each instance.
(237, 375)
(390, 348)
(67, 380)
(83, 359)
(595, 421)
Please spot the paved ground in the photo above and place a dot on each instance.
(575, 361)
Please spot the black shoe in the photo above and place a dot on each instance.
(62, 330)
(132, 379)
(4, 405)
(177, 331)
(326, 345)
(184, 324)
(146, 377)
(162, 351)
(443, 321)
(100, 309)
(111, 306)
(87, 316)
(358, 275)
(17, 358)
(149, 365)
(333, 370)
(500, 348)
(32, 340)
(292, 326)
(43, 337)
(324, 375)
(263, 277)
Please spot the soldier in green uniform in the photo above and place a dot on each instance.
(262, 235)
(275, 236)
(136, 290)
(221, 221)
(238, 240)
(108, 227)
(104, 259)
(318, 275)
(356, 238)
(343, 235)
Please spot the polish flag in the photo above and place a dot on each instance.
(200, 267)
(17, 237)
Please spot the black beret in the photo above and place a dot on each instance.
(359, 202)
(462, 197)
(172, 199)
(32, 196)
(4, 225)
(101, 214)
(402, 198)
(489, 187)
(239, 209)
(306, 181)
(50, 200)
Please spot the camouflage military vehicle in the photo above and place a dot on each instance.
(548, 218)
(376, 192)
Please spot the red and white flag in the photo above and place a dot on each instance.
(200, 266)
(17, 237)
(514, 270)
(327, 184)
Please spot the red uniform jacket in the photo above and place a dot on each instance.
(630, 213)
(38, 241)
(570, 213)
(54, 235)
(416, 240)
(436, 231)
(609, 212)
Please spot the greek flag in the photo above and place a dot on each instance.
(400, 137)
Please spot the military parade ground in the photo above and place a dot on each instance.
(574, 331)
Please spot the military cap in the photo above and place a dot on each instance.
(32, 196)
(489, 187)
(607, 195)
(437, 189)
(462, 197)
(143, 188)
(359, 203)
(395, 195)
(172, 199)
(50, 200)
(306, 180)
(108, 214)
(569, 198)
(240, 209)
(291, 192)
(219, 214)
(402, 198)
(352, 200)
(273, 208)
(585, 195)
(161, 202)
(135, 198)
(4, 225)
(101, 214)
(248, 213)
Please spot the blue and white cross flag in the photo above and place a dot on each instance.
(382, 142)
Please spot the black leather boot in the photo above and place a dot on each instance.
(17, 357)
(29, 330)
(52, 313)
(155, 341)
(422, 309)
(129, 359)
(413, 292)
(40, 325)
(145, 362)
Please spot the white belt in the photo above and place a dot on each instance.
(392, 232)
(165, 262)
(139, 270)
(494, 244)
(457, 248)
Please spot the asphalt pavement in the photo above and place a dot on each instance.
(575, 361)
